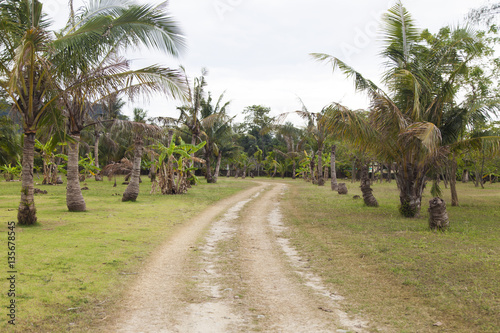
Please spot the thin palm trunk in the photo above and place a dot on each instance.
(217, 167)
(210, 177)
(321, 180)
(74, 197)
(26, 214)
(193, 142)
(96, 148)
(208, 157)
(366, 189)
(132, 191)
(294, 168)
(98, 177)
(311, 167)
(453, 181)
(481, 180)
(334, 184)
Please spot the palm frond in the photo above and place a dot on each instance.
(399, 36)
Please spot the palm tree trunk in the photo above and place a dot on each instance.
(438, 216)
(481, 180)
(311, 167)
(321, 180)
(453, 182)
(411, 182)
(26, 214)
(333, 171)
(74, 197)
(294, 168)
(98, 176)
(366, 189)
(96, 148)
(132, 191)
(208, 156)
(210, 177)
(217, 167)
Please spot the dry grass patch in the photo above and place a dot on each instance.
(394, 270)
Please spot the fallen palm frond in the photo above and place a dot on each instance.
(124, 167)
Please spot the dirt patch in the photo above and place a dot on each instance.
(244, 275)
(288, 297)
(154, 301)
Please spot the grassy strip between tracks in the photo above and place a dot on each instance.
(395, 271)
(72, 267)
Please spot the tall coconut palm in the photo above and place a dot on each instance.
(25, 74)
(404, 124)
(190, 113)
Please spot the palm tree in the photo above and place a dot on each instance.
(319, 132)
(404, 124)
(102, 73)
(140, 130)
(25, 74)
(294, 140)
(74, 67)
(215, 124)
(190, 113)
(333, 170)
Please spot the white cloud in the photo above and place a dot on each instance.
(258, 50)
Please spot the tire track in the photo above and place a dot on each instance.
(289, 297)
(155, 299)
(244, 277)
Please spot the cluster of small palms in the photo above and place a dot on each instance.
(420, 122)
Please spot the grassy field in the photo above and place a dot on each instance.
(72, 266)
(396, 271)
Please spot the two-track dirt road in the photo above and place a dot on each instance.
(231, 269)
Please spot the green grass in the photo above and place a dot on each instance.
(72, 266)
(394, 269)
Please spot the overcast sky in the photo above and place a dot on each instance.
(257, 51)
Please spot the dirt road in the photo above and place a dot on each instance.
(232, 269)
